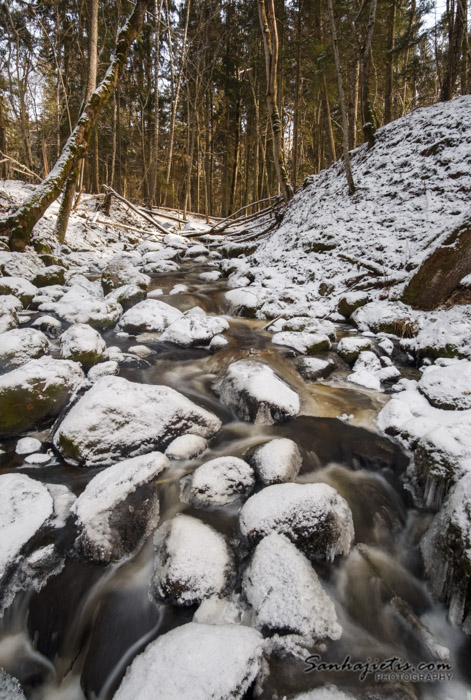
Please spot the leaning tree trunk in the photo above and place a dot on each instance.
(270, 43)
(18, 226)
(442, 271)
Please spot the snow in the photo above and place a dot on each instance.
(10, 689)
(18, 287)
(218, 482)
(150, 315)
(276, 461)
(79, 305)
(365, 378)
(82, 343)
(8, 321)
(256, 393)
(327, 692)
(446, 387)
(95, 506)
(350, 347)
(194, 330)
(186, 447)
(104, 369)
(38, 458)
(27, 445)
(215, 663)
(117, 418)
(8, 303)
(286, 594)
(179, 289)
(25, 506)
(21, 345)
(212, 276)
(49, 325)
(313, 516)
(244, 300)
(302, 342)
(192, 561)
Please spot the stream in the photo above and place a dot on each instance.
(74, 639)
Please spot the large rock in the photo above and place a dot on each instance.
(53, 274)
(255, 393)
(128, 295)
(8, 321)
(79, 305)
(218, 482)
(219, 662)
(119, 508)
(83, 344)
(120, 272)
(350, 347)
(351, 302)
(286, 595)
(192, 562)
(245, 301)
(117, 418)
(313, 368)
(194, 330)
(448, 387)
(186, 447)
(21, 345)
(149, 316)
(25, 265)
(313, 516)
(10, 304)
(18, 287)
(446, 551)
(305, 343)
(35, 393)
(276, 461)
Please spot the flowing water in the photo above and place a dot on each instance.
(74, 639)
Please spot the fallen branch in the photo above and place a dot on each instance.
(24, 169)
(368, 264)
(252, 204)
(274, 320)
(128, 228)
(135, 209)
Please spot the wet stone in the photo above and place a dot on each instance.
(218, 482)
(276, 461)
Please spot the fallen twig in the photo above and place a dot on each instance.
(136, 210)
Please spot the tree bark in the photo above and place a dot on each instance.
(388, 89)
(270, 43)
(442, 271)
(20, 224)
(454, 51)
(346, 154)
(369, 121)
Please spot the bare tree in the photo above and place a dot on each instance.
(18, 226)
(267, 17)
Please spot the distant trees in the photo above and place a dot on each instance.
(190, 124)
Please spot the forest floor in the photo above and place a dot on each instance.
(320, 297)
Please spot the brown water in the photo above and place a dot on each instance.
(74, 639)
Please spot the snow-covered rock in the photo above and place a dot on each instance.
(218, 342)
(21, 345)
(313, 368)
(326, 692)
(350, 347)
(276, 461)
(52, 274)
(83, 344)
(447, 554)
(306, 343)
(25, 265)
(121, 272)
(111, 519)
(194, 330)
(47, 294)
(10, 303)
(149, 316)
(117, 418)
(195, 251)
(8, 321)
(127, 295)
(218, 482)
(192, 561)
(211, 276)
(221, 662)
(27, 446)
(286, 594)
(255, 393)
(245, 301)
(447, 387)
(18, 287)
(313, 516)
(179, 289)
(386, 317)
(365, 378)
(48, 325)
(350, 302)
(103, 369)
(79, 305)
(35, 393)
(186, 447)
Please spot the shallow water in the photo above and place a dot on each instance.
(74, 639)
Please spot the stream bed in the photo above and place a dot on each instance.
(75, 637)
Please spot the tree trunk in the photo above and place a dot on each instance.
(369, 121)
(20, 224)
(455, 46)
(346, 154)
(442, 271)
(388, 89)
(155, 139)
(270, 43)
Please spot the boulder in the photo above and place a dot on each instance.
(21, 345)
(10, 304)
(149, 316)
(120, 272)
(218, 482)
(79, 305)
(192, 562)
(305, 343)
(255, 393)
(194, 330)
(221, 662)
(276, 461)
(83, 344)
(104, 369)
(186, 447)
(313, 368)
(127, 295)
(286, 594)
(117, 419)
(313, 516)
(448, 387)
(18, 287)
(351, 302)
(119, 508)
(245, 301)
(48, 325)
(8, 321)
(27, 446)
(350, 347)
(48, 294)
(35, 393)
(53, 274)
(25, 265)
